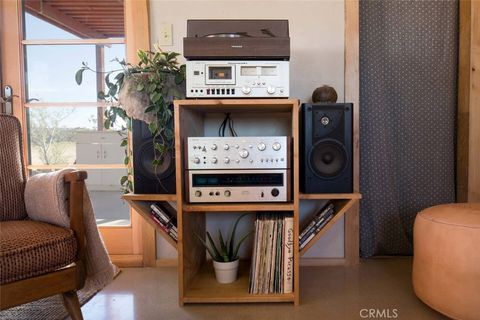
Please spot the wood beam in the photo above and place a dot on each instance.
(46, 12)
(468, 110)
(137, 36)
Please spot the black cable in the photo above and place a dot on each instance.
(227, 121)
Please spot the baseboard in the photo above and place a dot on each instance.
(127, 260)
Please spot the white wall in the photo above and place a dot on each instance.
(317, 58)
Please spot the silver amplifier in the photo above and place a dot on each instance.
(238, 153)
(238, 186)
(237, 79)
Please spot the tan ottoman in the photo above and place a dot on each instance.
(446, 262)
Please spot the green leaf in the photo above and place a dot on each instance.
(140, 87)
(124, 143)
(160, 147)
(126, 160)
(235, 252)
(156, 162)
(168, 133)
(101, 95)
(107, 123)
(79, 76)
(151, 87)
(113, 90)
(214, 247)
(223, 246)
(232, 236)
(150, 108)
(212, 254)
(123, 180)
(155, 97)
(152, 127)
(179, 78)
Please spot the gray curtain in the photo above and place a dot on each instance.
(408, 72)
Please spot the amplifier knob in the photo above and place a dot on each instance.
(214, 146)
(246, 90)
(271, 90)
(226, 147)
(261, 146)
(276, 146)
(226, 159)
(214, 160)
(275, 192)
(198, 193)
(196, 160)
(227, 193)
(243, 153)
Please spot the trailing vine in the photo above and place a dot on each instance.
(143, 91)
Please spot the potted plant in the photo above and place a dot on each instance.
(143, 91)
(225, 257)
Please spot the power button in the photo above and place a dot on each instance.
(275, 192)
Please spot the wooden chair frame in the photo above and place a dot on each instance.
(65, 281)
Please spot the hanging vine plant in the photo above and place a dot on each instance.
(143, 91)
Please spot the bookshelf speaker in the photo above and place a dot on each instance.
(147, 179)
(326, 148)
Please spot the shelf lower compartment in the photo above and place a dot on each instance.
(205, 288)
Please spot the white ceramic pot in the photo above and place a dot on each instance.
(226, 272)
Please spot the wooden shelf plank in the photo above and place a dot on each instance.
(143, 209)
(239, 105)
(228, 207)
(150, 197)
(341, 206)
(318, 196)
(206, 289)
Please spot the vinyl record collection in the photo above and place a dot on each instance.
(272, 259)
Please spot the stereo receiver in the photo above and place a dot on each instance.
(238, 169)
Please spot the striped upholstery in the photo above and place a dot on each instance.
(30, 248)
(12, 175)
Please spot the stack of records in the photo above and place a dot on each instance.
(319, 221)
(272, 260)
(164, 215)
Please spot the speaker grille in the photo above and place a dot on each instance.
(328, 158)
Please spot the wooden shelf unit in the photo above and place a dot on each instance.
(141, 204)
(196, 278)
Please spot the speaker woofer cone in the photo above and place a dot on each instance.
(328, 158)
(146, 168)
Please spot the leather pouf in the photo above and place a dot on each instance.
(446, 262)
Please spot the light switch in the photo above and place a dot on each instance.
(165, 37)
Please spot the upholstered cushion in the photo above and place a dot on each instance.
(446, 262)
(12, 175)
(30, 248)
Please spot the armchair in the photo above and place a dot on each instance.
(37, 259)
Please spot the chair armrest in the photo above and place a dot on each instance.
(76, 179)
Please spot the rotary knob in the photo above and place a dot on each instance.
(198, 193)
(271, 90)
(276, 146)
(227, 193)
(226, 147)
(243, 153)
(214, 160)
(226, 160)
(246, 90)
(196, 160)
(214, 146)
(261, 146)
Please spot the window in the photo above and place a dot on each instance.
(64, 120)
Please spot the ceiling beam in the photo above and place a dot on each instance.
(46, 12)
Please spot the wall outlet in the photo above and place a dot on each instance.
(166, 36)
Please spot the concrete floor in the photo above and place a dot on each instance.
(326, 293)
